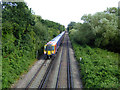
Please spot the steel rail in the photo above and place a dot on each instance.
(42, 83)
(59, 69)
(68, 68)
(69, 73)
(36, 74)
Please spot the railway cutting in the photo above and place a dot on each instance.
(56, 69)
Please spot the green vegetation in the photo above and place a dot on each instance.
(23, 38)
(99, 67)
(99, 30)
(0, 46)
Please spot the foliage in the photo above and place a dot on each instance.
(119, 17)
(23, 39)
(99, 68)
(113, 10)
(100, 30)
(53, 25)
(71, 25)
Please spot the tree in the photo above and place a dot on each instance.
(100, 30)
(19, 16)
(112, 10)
(71, 25)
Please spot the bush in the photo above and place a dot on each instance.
(99, 68)
(98, 30)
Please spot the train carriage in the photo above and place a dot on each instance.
(52, 46)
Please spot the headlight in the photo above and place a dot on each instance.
(44, 52)
(53, 52)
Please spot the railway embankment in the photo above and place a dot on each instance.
(98, 67)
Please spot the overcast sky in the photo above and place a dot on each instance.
(65, 11)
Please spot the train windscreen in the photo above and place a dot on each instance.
(49, 47)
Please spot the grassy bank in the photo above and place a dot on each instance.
(15, 64)
(99, 68)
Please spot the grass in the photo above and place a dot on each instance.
(99, 68)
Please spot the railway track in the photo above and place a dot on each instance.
(37, 80)
(54, 73)
(69, 82)
(57, 82)
(44, 80)
(35, 75)
(69, 72)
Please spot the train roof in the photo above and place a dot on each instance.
(56, 39)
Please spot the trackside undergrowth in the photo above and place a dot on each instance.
(98, 67)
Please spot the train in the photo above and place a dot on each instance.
(51, 48)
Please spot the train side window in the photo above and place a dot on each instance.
(52, 47)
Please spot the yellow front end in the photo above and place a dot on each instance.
(49, 52)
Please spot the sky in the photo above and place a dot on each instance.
(66, 11)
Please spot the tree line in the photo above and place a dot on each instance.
(23, 37)
(101, 29)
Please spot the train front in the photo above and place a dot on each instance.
(49, 50)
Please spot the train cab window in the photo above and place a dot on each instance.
(52, 47)
(48, 48)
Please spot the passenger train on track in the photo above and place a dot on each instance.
(51, 48)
